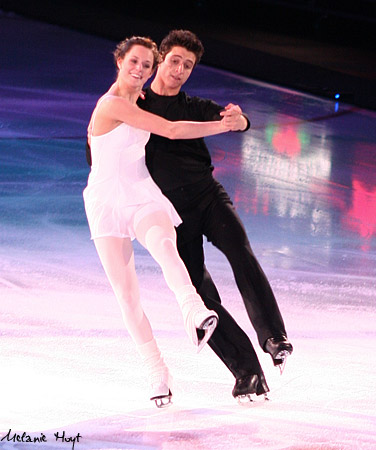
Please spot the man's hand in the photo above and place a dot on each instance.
(233, 118)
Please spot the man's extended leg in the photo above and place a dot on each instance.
(223, 227)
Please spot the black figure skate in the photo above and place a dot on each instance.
(250, 385)
(279, 349)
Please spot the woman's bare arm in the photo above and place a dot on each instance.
(115, 110)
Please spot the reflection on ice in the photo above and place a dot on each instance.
(283, 183)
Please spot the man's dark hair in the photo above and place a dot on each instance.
(182, 38)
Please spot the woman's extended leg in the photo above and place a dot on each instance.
(156, 233)
(117, 258)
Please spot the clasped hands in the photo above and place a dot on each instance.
(233, 118)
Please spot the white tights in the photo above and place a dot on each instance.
(157, 234)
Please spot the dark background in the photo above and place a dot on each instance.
(320, 47)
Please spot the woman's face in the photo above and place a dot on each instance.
(136, 67)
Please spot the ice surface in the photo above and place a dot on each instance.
(303, 180)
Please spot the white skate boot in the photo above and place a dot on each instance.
(199, 322)
(158, 374)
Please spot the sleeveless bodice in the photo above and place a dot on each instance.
(118, 163)
(119, 179)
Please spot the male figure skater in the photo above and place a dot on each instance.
(183, 171)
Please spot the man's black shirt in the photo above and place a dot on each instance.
(181, 162)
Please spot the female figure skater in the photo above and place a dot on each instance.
(122, 203)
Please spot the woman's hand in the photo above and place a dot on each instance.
(225, 124)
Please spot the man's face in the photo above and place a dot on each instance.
(176, 68)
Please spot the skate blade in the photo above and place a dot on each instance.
(162, 401)
(246, 399)
(208, 326)
(282, 356)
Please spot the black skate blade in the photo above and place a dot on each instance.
(208, 326)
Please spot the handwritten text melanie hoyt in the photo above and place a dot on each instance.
(24, 437)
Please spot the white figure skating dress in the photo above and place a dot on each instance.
(120, 190)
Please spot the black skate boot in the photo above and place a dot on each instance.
(279, 349)
(250, 385)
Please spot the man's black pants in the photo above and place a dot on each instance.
(208, 211)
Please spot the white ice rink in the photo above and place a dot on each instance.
(309, 205)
